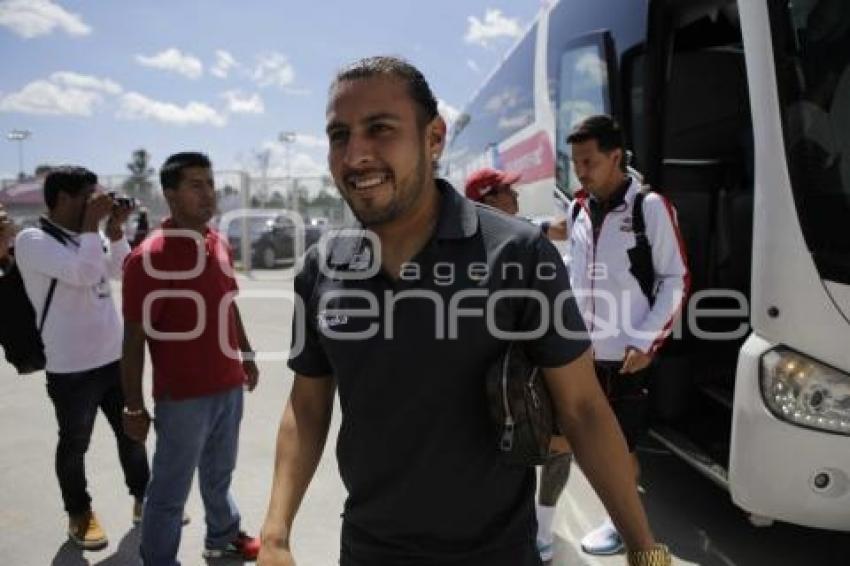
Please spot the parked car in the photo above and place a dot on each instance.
(272, 239)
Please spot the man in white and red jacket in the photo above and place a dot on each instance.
(629, 272)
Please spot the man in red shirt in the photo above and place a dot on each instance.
(178, 297)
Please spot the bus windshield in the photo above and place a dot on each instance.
(811, 43)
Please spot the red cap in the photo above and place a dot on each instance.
(481, 182)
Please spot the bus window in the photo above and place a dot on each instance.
(582, 92)
(812, 49)
(503, 106)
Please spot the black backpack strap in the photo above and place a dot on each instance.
(51, 230)
(640, 257)
(638, 223)
(47, 302)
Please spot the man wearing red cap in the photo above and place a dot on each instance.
(493, 188)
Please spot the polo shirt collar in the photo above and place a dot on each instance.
(168, 223)
(457, 219)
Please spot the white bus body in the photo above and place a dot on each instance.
(739, 112)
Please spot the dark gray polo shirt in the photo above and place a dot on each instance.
(417, 450)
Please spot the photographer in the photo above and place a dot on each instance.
(81, 332)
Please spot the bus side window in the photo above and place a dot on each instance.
(583, 90)
(503, 106)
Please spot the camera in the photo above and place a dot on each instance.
(123, 202)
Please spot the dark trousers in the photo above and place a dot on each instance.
(628, 395)
(76, 398)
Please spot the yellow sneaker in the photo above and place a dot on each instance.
(85, 531)
(137, 511)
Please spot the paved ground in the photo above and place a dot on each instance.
(688, 512)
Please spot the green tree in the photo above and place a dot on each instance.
(139, 183)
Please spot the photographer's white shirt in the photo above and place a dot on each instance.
(83, 330)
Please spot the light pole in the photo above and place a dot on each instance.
(19, 136)
(263, 160)
(287, 139)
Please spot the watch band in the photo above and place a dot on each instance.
(135, 413)
(657, 555)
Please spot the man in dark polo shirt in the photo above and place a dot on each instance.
(178, 297)
(404, 317)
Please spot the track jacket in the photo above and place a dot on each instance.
(615, 310)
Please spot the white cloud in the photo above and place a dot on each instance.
(473, 65)
(85, 82)
(224, 61)
(447, 111)
(494, 26)
(309, 163)
(32, 18)
(273, 69)
(239, 103)
(139, 107)
(63, 93)
(592, 68)
(174, 60)
(305, 165)
(310, 141)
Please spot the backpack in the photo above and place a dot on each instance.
(640, 256)
(20, 337)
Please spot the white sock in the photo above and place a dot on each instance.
(545, 514)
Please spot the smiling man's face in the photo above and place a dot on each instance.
(379, 154)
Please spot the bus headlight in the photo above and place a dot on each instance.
(804, 392)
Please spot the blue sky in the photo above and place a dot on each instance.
(94, 80)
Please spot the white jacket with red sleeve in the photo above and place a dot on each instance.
(615, 310)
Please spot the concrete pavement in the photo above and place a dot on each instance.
(691, 514)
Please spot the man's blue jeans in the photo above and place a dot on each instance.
(200, 433)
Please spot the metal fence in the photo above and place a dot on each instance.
(314, 198)
(315, 201)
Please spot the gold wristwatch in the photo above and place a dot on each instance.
(657, 555)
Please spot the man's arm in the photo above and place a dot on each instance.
(135, 417)
(252, 373)
(119, 247)
(599, 447)
(300, 441)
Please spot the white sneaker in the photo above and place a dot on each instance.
(546, 550)
(603, 541)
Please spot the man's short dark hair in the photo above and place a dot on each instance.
(171, 171)
(417, 86)
(70, 179)
(605, 130)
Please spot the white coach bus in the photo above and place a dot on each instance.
(738, 112)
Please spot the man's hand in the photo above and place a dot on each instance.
(115, 225)
(635, 360)
(136, 424)
(252, 374)
(274, 553)
(98, 207)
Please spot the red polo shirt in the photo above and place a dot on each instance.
(190, 321)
